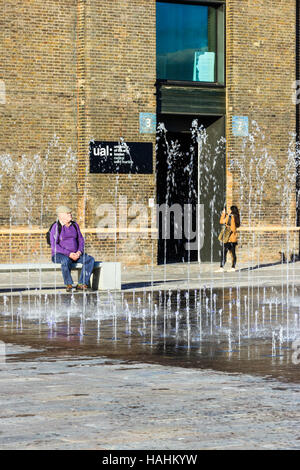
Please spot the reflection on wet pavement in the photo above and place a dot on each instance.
(242, 330)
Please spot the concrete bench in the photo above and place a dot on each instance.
(106, 275)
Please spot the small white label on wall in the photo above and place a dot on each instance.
(147, 123)
(240, 126)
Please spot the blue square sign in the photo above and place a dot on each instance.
(240, 126)
(147, 123)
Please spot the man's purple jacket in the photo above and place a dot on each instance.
(70, 239)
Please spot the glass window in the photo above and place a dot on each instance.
(187, 42)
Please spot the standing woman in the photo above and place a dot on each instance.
(231, 220)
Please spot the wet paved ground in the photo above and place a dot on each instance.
(63, 388)
(164, 277)
(98, 404)
(194, 275)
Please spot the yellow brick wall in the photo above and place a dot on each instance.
(76, 70)
(119, 77)
(260, 60)
(39, 117)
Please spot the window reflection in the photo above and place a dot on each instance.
(186, 42)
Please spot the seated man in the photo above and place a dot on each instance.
(67, 247)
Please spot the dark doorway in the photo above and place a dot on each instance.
(178, 182)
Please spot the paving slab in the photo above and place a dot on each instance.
(113, 405)
(164, 277)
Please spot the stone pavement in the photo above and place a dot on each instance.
(101, 404)
(64, 402)
(195, 275)
(171, 276)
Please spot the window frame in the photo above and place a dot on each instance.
(218, 4)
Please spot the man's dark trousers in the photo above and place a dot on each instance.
(67, 263)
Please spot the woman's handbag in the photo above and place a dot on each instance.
(225, 233)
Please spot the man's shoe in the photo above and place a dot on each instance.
(81, 287)
(69, 288)
(220, 270)
(231, 270)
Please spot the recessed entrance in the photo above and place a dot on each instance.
(190, 170)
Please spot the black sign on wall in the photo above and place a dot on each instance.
(116, 157)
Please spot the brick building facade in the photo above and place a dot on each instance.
(261, 69)
(78, 70)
